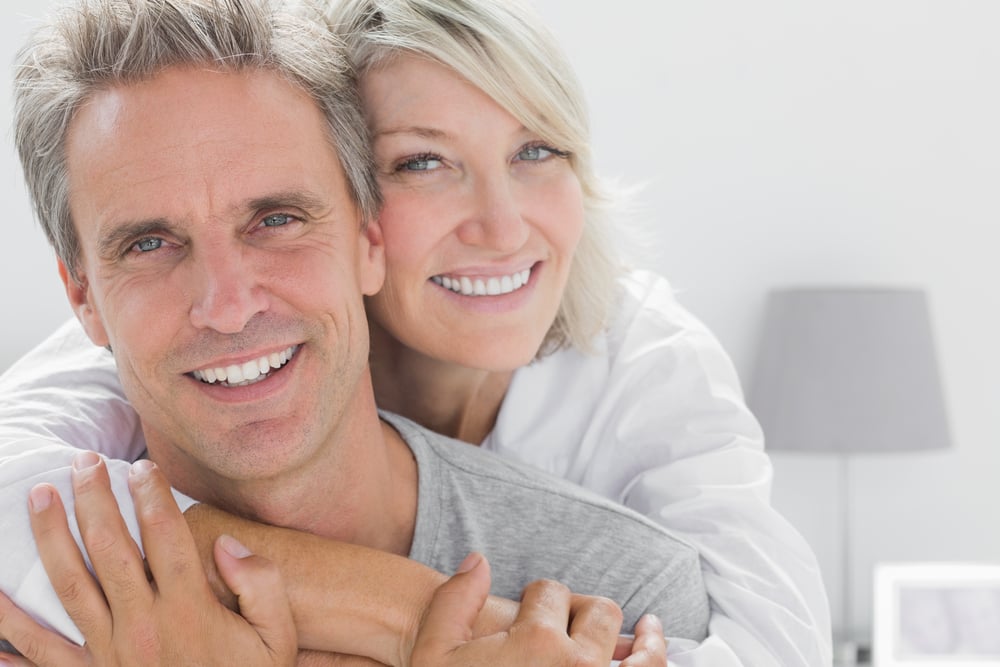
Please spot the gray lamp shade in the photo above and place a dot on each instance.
(849, 371)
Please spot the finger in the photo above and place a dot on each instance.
(623, 647)
(650, 646)
(38, 645)
(319, 659)
(79, 593)
(15, 661)
(594, 625)
(454, 608)
(261, 595)
(114, 555)
(170, 548)
(546, 603)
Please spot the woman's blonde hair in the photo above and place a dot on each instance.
(502, 48)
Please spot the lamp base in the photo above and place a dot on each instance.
(848, 653)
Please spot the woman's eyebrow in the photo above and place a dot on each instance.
(416, 130)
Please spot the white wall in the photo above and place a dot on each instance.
(839, 142)
(782, 143)
(31, 298)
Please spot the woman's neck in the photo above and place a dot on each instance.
(451, 399)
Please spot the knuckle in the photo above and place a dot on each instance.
(609, 609)
(30, 646)
(547, 589)
(70, 591)
(100, 541)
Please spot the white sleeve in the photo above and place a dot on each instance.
(656, 420)
(698, 467)
(61, 397)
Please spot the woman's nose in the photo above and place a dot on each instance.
(494, 220)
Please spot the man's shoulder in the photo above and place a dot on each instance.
(491, 475)
(532, 525)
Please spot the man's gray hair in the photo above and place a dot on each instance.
(92, 45)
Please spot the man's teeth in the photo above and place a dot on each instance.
(484, 287)
(246, 373)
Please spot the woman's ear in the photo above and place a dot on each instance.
(372, 258)
(81, 300)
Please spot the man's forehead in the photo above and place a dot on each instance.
(191, 137)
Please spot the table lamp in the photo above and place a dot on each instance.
(848, 371)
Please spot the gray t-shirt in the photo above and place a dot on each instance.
(531, 525)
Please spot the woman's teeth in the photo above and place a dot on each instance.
(246, 373)
(484, 286)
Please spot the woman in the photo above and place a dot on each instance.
(506, 321)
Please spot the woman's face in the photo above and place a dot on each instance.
(481, 219)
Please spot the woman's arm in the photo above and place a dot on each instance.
(656, 420)
(344, 597)
(706, 478)
(64, 396)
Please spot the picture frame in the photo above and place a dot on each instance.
(944, 614)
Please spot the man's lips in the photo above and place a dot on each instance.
(247, 373)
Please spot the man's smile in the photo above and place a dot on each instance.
(247, 373)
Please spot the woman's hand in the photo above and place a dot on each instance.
(553, 626)
(169, 618)
(649, 649)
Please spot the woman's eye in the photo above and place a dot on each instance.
(534, 153)
(420, 163)
(147, 245)
(539, 153)
(276, 220)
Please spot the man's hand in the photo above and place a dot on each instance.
(553, 626)
(169, 618)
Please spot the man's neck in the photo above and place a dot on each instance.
(361, 488)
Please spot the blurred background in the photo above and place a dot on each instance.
(779, 144)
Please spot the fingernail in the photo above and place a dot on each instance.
(39, 498)
(655, 620)
(141, 467)
(470, 563)
(233, 547)
(85, 460)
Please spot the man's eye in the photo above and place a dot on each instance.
(276, 220)
(147, 245)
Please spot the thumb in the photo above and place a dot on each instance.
(455, 607)
(261, 594)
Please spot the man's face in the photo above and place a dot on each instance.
(223, 260)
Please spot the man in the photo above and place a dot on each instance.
(202, 171)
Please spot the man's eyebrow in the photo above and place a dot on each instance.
(297, 199)
(109, 243)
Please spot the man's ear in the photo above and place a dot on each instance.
(81, 300)
(372, 258)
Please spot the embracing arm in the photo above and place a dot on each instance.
(64, 396)
(344, 597)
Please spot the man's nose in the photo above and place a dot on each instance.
(227, 293)
(493, 217)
